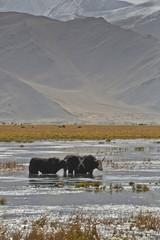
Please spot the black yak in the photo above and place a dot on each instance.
(46, 165)
(82, 164)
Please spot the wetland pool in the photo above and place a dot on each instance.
(126, 161)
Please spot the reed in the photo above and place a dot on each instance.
(81, 227)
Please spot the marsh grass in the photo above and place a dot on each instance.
(12, 167)
(117, 187)
(140, 188)
(77, 227)
(157, 183)
(3, 201)
(29, 132)
(121, 164)
(112, 164)
(139, 149)
(86, 184)
(90, 186)
(81, 227)
(147, 221)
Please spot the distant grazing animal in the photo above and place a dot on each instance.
(82, 164)
(46, 165)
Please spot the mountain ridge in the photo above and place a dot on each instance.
(84, 68)
(134, 16)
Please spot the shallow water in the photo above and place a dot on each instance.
(125, 161)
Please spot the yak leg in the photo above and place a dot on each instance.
(70, 171)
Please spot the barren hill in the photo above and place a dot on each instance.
(85, 70)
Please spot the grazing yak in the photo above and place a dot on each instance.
(46, 165)
(82, 164)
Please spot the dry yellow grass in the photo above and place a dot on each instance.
(81, 227)
(29, 132)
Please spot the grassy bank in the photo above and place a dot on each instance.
(29, 132)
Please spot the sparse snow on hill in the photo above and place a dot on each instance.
(149, 25)
(61, 9)
(129, 16)
(124, 13)
(141, 16)
(36, 7)
(75, 8)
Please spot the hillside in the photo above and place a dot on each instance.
(149, 25)
(122, 13)
(85, 70)
(61, 9)
(142, 17)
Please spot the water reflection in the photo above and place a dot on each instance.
(50, 180)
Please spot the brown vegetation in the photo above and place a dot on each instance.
(81, 227)
(147, 221)
(90, 186)
(11, 167)
(140, 188)
(116, 187)
(28, 132)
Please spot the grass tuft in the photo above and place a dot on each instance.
(90, 186)
(116, 187)
(3, 201)
(140, 188)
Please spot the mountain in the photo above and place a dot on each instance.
(72, 9)
(85, 70)
(143, 17)
(129, 16)
(149, 25)
(62, 9)
(18, 100)
(35, 7)
(118, 12)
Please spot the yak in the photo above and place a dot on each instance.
(46, 165)
(82, 164)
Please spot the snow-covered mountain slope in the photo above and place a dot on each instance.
(85, 68)
(127, 15)
(35, 7)
(143, 17)
(62, 9)
(72, 9)
(149, 25)
(121, 12)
